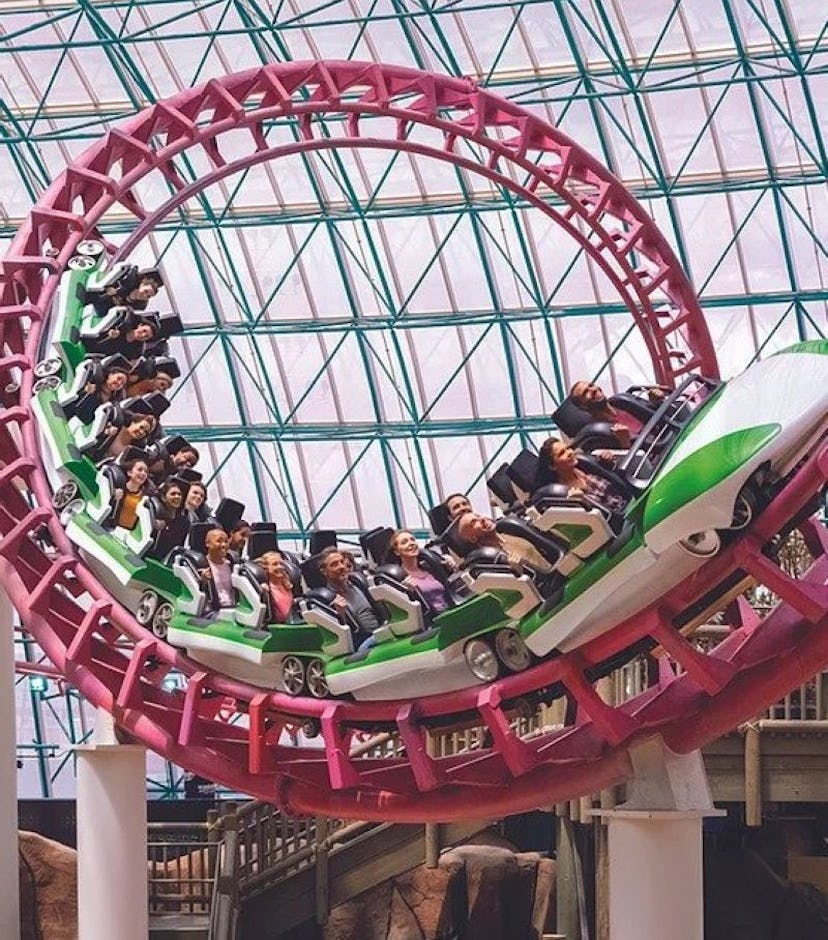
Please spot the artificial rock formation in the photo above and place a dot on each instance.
(481, 891)
(48, 889)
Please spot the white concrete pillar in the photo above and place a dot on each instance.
(112, 838)
(9, 859)
(654, 847)
(655, 875)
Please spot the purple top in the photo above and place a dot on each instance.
(431, 589)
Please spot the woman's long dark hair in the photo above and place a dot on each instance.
(545, 474)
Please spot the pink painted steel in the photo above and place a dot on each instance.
(77, 623)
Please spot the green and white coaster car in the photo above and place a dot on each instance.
(698, 472)
(718, 458)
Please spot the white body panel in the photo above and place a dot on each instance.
(788, 389)
(631, 586)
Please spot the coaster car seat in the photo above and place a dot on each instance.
(487, 570)
(316, 608)
(585, 523)
(407, 606)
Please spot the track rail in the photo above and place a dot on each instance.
(82, 629)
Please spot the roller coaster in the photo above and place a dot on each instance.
(717, 475)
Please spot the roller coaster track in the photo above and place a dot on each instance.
(100, 648)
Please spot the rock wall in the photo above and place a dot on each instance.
(48, 889)
(485, 892)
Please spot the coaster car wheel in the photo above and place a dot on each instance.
(293, 675)
(511, 650)
(702, 544)
(315, 679)
(47, 384)
(481, 660)
(146, 608)
(72, 508)
(310, 727)
(90, 248)
(64, 495)
(161, 620)
(744, 510)
(47, 367)
(80, 263)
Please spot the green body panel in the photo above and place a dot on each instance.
(280, 638)
(579, 581)
(574, 534)
(70, 458)
(818, 347)
(477, 615)
(144, 570)
(69, 339)
(704, 469)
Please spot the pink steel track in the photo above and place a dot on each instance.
(451, 120)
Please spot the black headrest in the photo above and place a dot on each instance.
(595, 434)
(375, 544)
(523, 470)
(261, 541)
(228, 512)
(139, 407)
(311, 573)
(152, 273)
(175, 480)
(321, 594)
(322, 539)
(198, 535)
(551, 491)
(487, 555)
(570, 418)
(438, 517)
(116, 363)
(167, 364)
(169, 325)
(501, 485)
(132, 453)
(396, 572)
(451, 539)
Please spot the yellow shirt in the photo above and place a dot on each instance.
(128, 516)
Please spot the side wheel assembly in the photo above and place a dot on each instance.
(90, 248)
(315, 679)
(146, 608)
(702, 544)
(481, 660)
(64, 495)
(80, 263)
(511, 650)
(161, 620)
(49, 384)
(47, 367)
(72, 508)
(293, 675)
(744, 510)
(311, 727)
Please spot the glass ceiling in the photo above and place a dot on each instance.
(367, 332)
